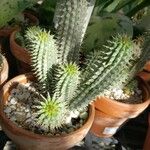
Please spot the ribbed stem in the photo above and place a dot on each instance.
(43, 52)
(70, 22)
(67, 81)
(104, 69)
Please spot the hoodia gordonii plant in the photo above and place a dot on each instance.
(69, 88)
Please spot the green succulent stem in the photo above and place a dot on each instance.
(106, 66)
(43, 51)
(70, 22)
(67, 81)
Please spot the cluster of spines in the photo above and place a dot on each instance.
(108, 66)
(145, 53)
(67, 81)
(50, 112)
(43, 51)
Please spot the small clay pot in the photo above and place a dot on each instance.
(20, 53)
(147, 66)
(145, 73)
(33, 20)
(3, 72)
(27, 140)
(111, 114)
(147, 140)
(6, 31)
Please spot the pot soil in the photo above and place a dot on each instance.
(3, 72)
(6, 31)
(147, 140)
(26, 140)
(111, 114)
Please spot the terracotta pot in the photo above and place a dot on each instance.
(6, 31)
(147, 66)
(111, 114)
(147, 140)
(145, 74)
(20, 53)
(26, 140)
(3, 72)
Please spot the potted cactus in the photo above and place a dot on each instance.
(54, 107)
(3, 70)
(113, 108)
(57, 72)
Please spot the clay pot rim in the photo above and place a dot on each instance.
(29, 133)
(31, 17)
(146, 100)
(23, 50)
(13, 39)
(4, 68)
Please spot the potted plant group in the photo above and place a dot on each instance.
(51, 108)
